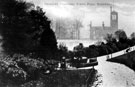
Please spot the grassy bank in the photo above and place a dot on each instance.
(127, 59)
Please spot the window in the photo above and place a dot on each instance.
(113, 17)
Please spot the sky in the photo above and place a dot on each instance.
(95, 11)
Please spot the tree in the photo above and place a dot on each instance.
(132, 37)
(91, 51)
(62, 51)
(121, 36)
(113, 46)
(24, 27)
(44, 34)
(111, 43)
(13, 24)
(103, 49)
(109, 38)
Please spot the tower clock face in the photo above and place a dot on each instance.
(113, 17)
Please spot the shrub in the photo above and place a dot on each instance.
(19, 69)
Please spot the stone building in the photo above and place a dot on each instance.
(99, 32)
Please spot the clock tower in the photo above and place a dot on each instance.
(113, 19)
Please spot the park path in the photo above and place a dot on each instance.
(111, 74)
(114, 74)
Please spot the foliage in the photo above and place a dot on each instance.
(12, 71)
(14, 74)
(14, 18)
(24, 28)
(19, 69)
(114, 43)
(121, 36)
(132, 39)
(62, 51)
(113, 46)
(91, 51)
(103, 49)
(109, 38)
(132, 36)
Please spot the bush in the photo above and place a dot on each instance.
(19, 69)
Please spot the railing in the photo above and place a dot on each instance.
(116, 54)
(122, 52)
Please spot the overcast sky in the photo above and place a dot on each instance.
(96, 11)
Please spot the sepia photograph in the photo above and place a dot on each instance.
(67, 43)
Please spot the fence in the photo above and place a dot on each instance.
(130, 49)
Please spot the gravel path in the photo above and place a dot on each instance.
(114, 74)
